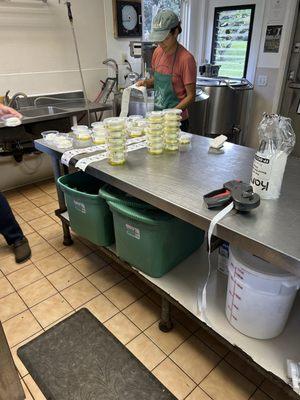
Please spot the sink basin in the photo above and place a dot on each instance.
(41, 111)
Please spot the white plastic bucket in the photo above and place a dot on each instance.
(259, 295)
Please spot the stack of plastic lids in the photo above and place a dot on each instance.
(135, 126)
(154, 130)
(82, 135)
(116, 140)
(98, 132)
(172, 118)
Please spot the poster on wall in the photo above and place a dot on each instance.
(273, 36)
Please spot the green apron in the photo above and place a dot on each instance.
(164, 95)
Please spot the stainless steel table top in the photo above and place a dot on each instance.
(177, 182)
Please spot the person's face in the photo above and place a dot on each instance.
(169, 41)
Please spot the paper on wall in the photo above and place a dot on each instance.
(126, 98)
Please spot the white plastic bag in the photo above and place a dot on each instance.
(277, 140)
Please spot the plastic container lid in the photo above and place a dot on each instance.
(256, 266)
(11, 120)
(49, 135)
(175, 111)
(98, 124)
(185, 138)
(114, 123)
(80, 128)
(156, 114)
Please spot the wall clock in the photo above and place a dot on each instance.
(128, 18)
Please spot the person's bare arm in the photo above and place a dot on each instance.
(4, 110)
(189, 98)
(149, 83)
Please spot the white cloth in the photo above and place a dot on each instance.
(126, 98)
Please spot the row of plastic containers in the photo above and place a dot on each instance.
(148, 238)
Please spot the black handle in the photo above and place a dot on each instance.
(70, 15)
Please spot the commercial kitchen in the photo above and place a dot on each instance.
(149, 199)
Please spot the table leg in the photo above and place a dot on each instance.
(61, 201)
(165, 324)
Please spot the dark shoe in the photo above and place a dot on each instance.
(22, 250)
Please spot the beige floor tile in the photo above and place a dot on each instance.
(50, 207)
(105, 278)
(9, 265)
(246, 369)
(31, 192)
(89, 244)
(51, 232)
(259, 395)
(75, 252)
(146, 351)
(48, 187)
(139, 283)
(24, 276)
(167, 342)
(59, 320)
(101, 308)
(174, 379)
(41, 251)
(198, 394)
(34, 389)
(10, 306)
(5, 287)
(54, 217)
(195, 359)
(26, 228)
(219, 345)
(65, 277)
(23, 206)
(123, 294)
(20, 327)
(37, 292)
(51, 264)
(42, 200)
(276, 392)
(14, 198)
(89, 264)
(51, 310)
(122, 328)
(80, 293)
(32, 214)
(57, 242)
(26, 391)
(54, 195)
(20, 366)
(34, 239)
(143, 313)
(19, 219)
(5, 251)
(224, 383)
(42, 222)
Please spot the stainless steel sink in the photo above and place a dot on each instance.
(41, 111)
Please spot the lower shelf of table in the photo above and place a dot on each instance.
(182, 284)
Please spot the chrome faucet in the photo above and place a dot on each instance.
(13, 101)
(114, 65)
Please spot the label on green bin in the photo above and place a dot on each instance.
(79, 206)
(132, 231)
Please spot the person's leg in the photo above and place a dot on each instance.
(185, 125)
(12, 232)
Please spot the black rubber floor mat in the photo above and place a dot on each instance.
(79, 359)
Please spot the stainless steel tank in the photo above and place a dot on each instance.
(226, 111)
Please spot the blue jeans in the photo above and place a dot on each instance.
(9, 227)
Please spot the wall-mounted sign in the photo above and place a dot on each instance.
(273, 36)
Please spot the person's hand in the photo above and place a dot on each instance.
(141, 83)
(4, 110)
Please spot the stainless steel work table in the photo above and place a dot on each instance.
(176, 183)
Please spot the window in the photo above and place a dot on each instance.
(150, 9)
(231, 39)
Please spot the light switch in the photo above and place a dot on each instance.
(262, 80)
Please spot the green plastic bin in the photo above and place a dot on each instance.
(111, 193)
(90, 216)
(152, 240)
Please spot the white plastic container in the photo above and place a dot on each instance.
(259, 295)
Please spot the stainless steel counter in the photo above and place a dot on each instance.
(68, 109)
(177, 182)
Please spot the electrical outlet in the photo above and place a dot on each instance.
(262, 80)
